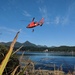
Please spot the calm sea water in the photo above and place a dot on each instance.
(50, 60)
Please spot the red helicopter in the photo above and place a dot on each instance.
(34, 23)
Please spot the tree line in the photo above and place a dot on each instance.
(51, 49)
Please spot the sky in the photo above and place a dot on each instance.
(59, 21)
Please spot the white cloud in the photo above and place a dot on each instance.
(61, 20)
(9, 30)
(65, 21)
(43, 10)
(25, 13)
(69, 16)
(57, 20)
(44, 13)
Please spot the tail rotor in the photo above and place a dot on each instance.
(41, 22)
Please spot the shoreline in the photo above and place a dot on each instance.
(47, 53)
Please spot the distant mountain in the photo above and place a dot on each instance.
(41, 46)
(8, 44)
(25, 44)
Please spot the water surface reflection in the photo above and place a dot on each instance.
(50, 60)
